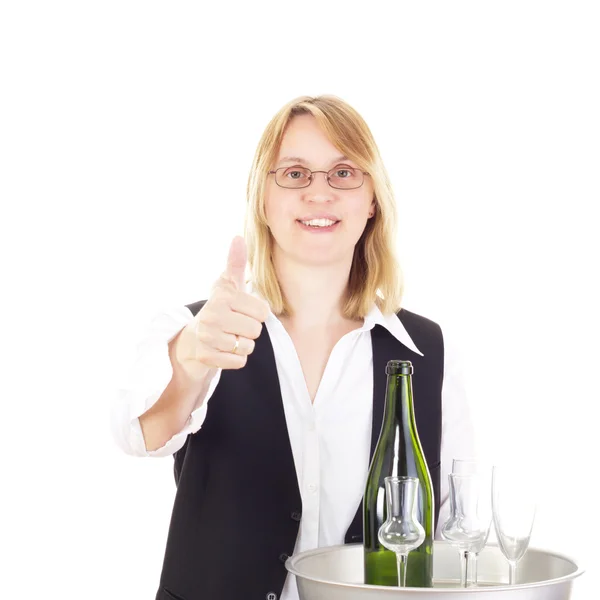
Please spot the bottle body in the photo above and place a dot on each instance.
(398, 452)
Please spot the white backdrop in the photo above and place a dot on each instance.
(127, 132)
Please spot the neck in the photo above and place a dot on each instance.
(316, 295)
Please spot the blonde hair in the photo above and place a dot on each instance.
(375, 274)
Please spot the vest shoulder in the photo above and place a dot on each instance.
(418, 325)
(411, 317)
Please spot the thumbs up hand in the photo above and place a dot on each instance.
(222, 334)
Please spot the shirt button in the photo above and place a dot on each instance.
(283, 557)
(296, 515)
(312, 488)
(271, 596)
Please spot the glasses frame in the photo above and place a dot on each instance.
(311, 177)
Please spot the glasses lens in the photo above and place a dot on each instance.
(345, 178)
(293, 177)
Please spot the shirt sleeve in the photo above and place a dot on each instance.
(144, 383)
(458, 435)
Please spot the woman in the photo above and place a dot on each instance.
(271, 397)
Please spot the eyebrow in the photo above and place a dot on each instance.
(302, 161)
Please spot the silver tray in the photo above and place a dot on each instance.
(336, 573)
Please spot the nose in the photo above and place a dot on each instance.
(319, 189)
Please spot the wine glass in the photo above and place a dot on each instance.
(471, 466)
(401, 532)
(513, 507)
(468, 526)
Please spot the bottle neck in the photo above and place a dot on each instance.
(399, 428)
(399, 409)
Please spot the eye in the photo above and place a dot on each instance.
(295, 173)
(344, 172)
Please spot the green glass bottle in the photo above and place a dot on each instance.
(398, 452)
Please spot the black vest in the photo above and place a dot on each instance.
(236, 475)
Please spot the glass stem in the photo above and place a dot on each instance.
(472, 578)
(464, 567)
(401, 560)
(512, 572)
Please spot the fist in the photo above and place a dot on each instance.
(222, 334)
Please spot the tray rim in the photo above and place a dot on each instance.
(580, 570)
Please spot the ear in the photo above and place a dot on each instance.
(373, 208)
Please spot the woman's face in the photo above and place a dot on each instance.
(289, 211)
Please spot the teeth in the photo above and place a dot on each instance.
(318, 222)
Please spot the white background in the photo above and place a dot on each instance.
(127, 130)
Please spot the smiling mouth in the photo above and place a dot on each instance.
(318, 223)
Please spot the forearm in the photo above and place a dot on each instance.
(169, 414)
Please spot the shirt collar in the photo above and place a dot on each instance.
(393, 324)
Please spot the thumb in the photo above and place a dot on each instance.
(236, 263)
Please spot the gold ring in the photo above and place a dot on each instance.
(237, 344)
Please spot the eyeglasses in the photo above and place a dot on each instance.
(341, 178)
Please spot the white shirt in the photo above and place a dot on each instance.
(330, 438)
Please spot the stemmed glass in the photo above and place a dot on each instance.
(401, 532)
(468, 525)
(513, 506)
(471, 466)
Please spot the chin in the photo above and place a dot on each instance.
(316, 256)
(320, 251)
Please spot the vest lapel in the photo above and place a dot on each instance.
(265, 381)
